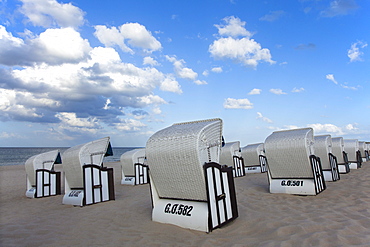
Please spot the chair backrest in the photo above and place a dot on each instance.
(323, 146)
(288, 153)
(251, 153)
(351, 147)
(89, 153)
(338, 148)
(228, 151)
(41, 161)
(176, 155)
(130, 158)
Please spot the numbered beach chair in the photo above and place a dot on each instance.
(351, 147)
(231, 156)
(87, 181)
(338, 151)
(188, 186)
(254, 158)
(292, 166)
(42, 180)
(134, 169)
(323, 149)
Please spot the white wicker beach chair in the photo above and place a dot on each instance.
(188, 186)
(42, 180)
(87, 181)
(367, 151)
(323, 149)
(338, 151)
(351, 147)
(363, 151)
(254, 158)
(231, 156)
(292, 166)
(134, 169)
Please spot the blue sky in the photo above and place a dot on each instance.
(71, 72)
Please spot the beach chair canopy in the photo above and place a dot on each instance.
(323, 146)
(288, 153)
(228, 151)
(351, 146)
(41, 161)
(176, 155)
(130, 158)
(251, 153)
(89, 153)
(338, 148)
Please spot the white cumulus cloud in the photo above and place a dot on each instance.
(255, 91)
(180, 69)
(129, 34)
(231, 103)
(50, 13)
(233, 27)
(216, 69)
(277, 91)
(242, 50)
(354, 52)
(297, 90)
(326, 128)
(263, 118)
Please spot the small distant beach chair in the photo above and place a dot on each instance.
(342, 157)
(87, 181)
(188, 186)
(292, 166)
(134, 169)
(42, 180)
(323, 149)
(231, 156)
(351, 147)
(254, 158)
(367, 151)
(363, 151)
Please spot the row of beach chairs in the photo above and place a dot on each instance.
(191, 170)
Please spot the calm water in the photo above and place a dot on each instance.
(18, 156)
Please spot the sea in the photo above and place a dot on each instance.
(18, 155)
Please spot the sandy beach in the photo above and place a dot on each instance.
(339, 216)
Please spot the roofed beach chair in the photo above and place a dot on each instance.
(351, 147)
(42, 180)
(188, 186)
(363, 151)
(292, 166)
(87, 181)
(338, 151)
(231, 156)
(323, 149)
(254, 158)
(134, 169)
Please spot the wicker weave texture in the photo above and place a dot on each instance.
(130, 158)
(176, 155)
(351, 147)
(40, 161)
(323, 146)
(228, 151)
(251, 153)
(75, 157)
(288, 153)
(338, 148)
